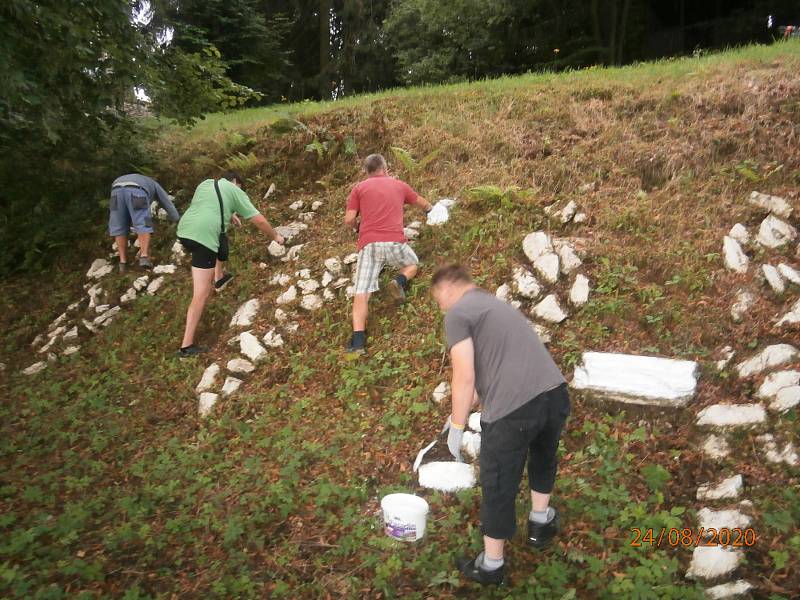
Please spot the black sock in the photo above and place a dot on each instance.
(402, 281)
(359, 339)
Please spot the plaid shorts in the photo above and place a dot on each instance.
(373, 257)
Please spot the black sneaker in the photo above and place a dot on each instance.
(190, 351)
(541, 534)
(397, 291)
(220, 283)
(479, 574)
(355, 350)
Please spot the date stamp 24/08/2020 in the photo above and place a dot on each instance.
(690, 537)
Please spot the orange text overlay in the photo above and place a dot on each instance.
(691, 537)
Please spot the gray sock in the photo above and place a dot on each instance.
(542, 516)
(489, 564)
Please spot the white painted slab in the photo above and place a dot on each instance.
(711, 562)
(447, 476)
(768, 358)
(645, 380)
(731, 415)
(726, 489)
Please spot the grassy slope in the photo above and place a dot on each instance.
(111, 483)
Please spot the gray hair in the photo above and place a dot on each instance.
(374, 163)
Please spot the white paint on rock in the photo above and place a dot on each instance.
(773, 278)
(716, 447)
(441, 392)
(537, 244)
(579, 293)
(735, 258)
(350, 259)
(775, 455)
(769, 358)
(328, 295)
(164, 269)
(290, 295)
(280, 279)
(316, 205)
(727, 591)
(240, 366)
(100, 268)
(246, 313)
(128, 296)
(291, 230)
(726, 356)
(275, 249)
(327, 278)
(72, 334)
(786, 399)
(308, 286)
(298, 205)
(471, 444)
(739, 233)
(155, 285)
(439, 214)
(568, 212)
(251, 347)
(293, 253)
(550, 310)
(206, 403)
(70, 350)
(744, 302)
(792, 317)
(209, 378)
(568, 258)
(447, 476)
(731, 415)
(474, 422)
(774, 204)
(273, 339)
(632, 379)
(311, 302)
(35, 368)
(178, 253)
(547, 265)
(727, 489)
(410, 234)
(542, 331)
(722, 519)
(775, 382)
(526, 284)
(713, 562)
(504, 292)
(140, 283)
(789, 273)
(774, 233)
(341, 282)
(230, 387)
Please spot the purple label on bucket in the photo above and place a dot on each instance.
(406, 532)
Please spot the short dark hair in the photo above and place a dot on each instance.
(451, 273)
(374, 163)
(233, 176)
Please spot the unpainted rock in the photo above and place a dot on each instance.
(35, 368)
(70, 350)
(744, 302)
(298, 205)
(140, 283)
(327, 278)
(293, 253)
(164, 269)
(100, 268)
(786, 455)
(350, 259)
(716, 447)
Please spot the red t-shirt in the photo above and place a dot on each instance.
(379, 200)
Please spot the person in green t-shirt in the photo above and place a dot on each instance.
(199, 231)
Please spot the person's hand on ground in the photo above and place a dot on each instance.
(454, 437)
(280, 239)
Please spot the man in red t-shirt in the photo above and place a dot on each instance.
(379, 201)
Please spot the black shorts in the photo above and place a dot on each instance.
(203, 257)
(529, 433)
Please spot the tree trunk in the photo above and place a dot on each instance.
(622, 27)
(612, 34)
(324, 48)
(598, 36)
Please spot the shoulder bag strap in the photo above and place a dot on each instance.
(221, 212)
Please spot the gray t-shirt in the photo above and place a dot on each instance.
(153, 189)
(512, 366)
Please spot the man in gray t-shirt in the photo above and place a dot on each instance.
(498, 358)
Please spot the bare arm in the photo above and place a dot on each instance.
(350, 218)
(424, 204)
(261, 222)
(462, 356)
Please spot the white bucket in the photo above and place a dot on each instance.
(404, 516)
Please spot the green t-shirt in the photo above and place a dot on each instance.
(201, 221)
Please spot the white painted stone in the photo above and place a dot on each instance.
(251, 347)
(327, 278)
(240, 366)
(155, 285)
(739, 233)
(94, 293)
(730, 590)
(50, 343)
(230, 387)
(713, 562)
(39, 339)
(341, 282)
(273, 339)
(246, 314)
(792, 317)
(550, 310)
(447, 202)
(291, 230)
(164, 269)
(526, 284)
(787, 455)
(774, 233)
(101, 308)
(57, 332)
(209, 378)
(744, 302)
(716, 447)
(775, 382)
(333, 265)
(579, 293)
(537, 244)
(735, 258)
(275, 249)
(438, 215)
(471, 444)
(35, 368)
(308, 286)
(504, 292)
(128, 296)
(58, 321)
(234, 341)
(474, 422)
(726, 354)
(786, 399)
(722, 519)
(291, 327)
(293, 253)
(547, 266)
(726, 489)
(206, 403)
(580, 218)
(774, 204)
(281, 315)
(447, 476)
(790, 273)
(70, 350)
(415, 225)
(140, 283)
(100, 268)
(632, 379)
(731, 415)
(316, 205)
(568, 258)
(568, 212)
(290, 295)
(350, 259)
(441, 393)
(280, 279)
(89, 326)
(298, 205)
(72, 334)
(768, 358)
(542, 332)
(178, 253)
(350, 291)
(516, 304)
(107, 315)
(328, 295)
(307, 217)
(773, 278)
(410, 234)
(311, 302)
